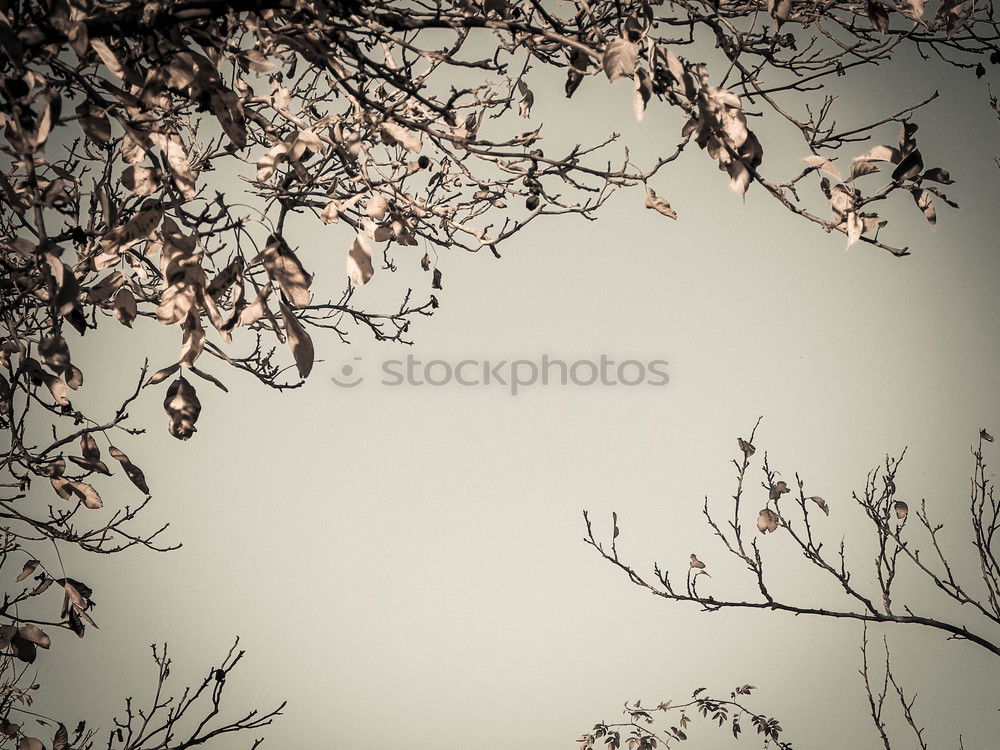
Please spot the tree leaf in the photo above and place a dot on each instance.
(643, 91)
(270, 161)
(824, 164)
(183, 408)
(141, 180)
(27, 570)
(926, 204)
(285, 270)
(87, 495)
(176, 157)
(34, 634)
(94, 122)
(228, 110)
(133, 472)
(393, 133)
(299, 342)
(659, 204)
(125, 308)
(359, 262)
(619, 59)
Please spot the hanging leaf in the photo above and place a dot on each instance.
(228, 110)
(183, 408)
(331, 213)
(270, 161)
(141, 180)
(824, 165)
(767, 521)
(359, 262)
(866, 163)
(257, 309)
(133, 472)
(299, 341)
(659, 204)
(393, 133)
(176, 157)
(619, 59)
(778, 489)
(125, 308)
(821, 503)
(86, 494)
(527, 100)
(926, 204)
(27, 570)
(285, 270)
(643, 92)
(94, 122)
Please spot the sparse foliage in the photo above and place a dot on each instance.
(901, 542)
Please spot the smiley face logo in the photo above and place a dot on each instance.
(348, 376)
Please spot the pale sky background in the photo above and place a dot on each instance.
(406, 565)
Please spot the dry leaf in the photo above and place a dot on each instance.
(299, 341)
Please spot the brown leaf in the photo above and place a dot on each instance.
(183, 408)
(61, 739)
(34, 634)
(394, 133)
(95, 465)
(193, 342)
(825, 165)
(659, 204)
(331, 212)
(27, 570)
(284, 269)
(87, 495)
(767, 521)
(643, 92)
(926, 204)
(74, 377)
(94, 122)
(821, 503)
(133, 472)
(359, 262)
(125, 308)
(62, 487)
(257, 309)
(58, 388)
(141, 180)
(299, 341)
(270, 161)
(176, 157)
(160, 375)
(228, 110)
(619, 59)
(88, 447)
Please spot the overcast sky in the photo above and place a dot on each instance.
(405, 564)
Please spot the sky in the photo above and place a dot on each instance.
(405, 564)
